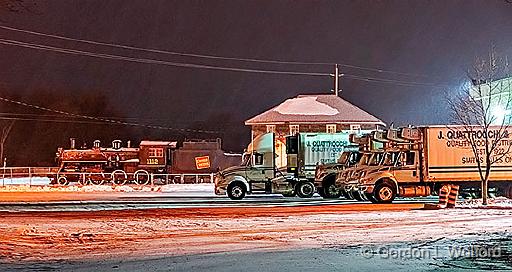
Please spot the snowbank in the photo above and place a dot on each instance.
(24, 181)
(498, 202)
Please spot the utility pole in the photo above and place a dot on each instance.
(336, 76)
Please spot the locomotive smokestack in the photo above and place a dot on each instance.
(72, 143)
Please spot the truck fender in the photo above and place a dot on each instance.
(241, 179)
(386, 176)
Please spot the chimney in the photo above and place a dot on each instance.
(72, 143)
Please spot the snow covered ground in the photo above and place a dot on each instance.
(493, 203)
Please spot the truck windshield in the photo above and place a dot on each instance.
(344, 158)
(376, 159)
(365, 158)
(390, 158)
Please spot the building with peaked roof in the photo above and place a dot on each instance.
(313, 113)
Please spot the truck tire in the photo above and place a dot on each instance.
(384, 192)
(346, 194)
(305, 189)
(357, 196)
(330, 189)
(236, 190)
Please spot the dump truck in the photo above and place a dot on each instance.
(263, 170)
(419, 161)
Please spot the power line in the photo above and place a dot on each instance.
(152, 50)
(393, 81)
(200, 66)
(254, 60)
(117, 122)
(150, 61)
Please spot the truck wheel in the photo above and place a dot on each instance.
(346, 194)
(305, 189)
(384, 193)
(357, 196)
(331, 191)
(508, 192)
(236, 190)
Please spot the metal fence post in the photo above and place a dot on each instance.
(211, 177)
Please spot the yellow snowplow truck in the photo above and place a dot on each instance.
(419, 161)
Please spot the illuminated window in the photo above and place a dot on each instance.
(271, 128)
(355, 127)
(156, 152)
(294, 129)
(330, 129)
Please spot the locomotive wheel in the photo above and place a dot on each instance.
(62, 180)
(141, 177)
(84, 181)
(119, 177)
(97, 181)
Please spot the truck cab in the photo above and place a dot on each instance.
(255, 173)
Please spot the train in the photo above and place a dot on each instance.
(151, 160)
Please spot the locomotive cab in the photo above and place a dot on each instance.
(156, 155)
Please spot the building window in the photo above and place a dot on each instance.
(294, 129)
(355, 127)
(271, 128)
(156, 152)
(330, 128)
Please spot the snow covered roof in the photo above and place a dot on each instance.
(317, 108)
(159, 143)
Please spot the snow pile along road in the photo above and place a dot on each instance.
(493, 203)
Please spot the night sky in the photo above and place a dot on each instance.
(435, 40)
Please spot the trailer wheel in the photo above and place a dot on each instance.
(305, 189)
(236, 190)
(384, 193)
(508, 192)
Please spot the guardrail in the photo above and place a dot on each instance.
(43, 175)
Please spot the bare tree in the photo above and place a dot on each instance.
(3, 138)
(482, 112)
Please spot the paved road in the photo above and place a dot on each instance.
(156, 201)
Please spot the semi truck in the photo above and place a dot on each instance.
(419, 161)
(260, 172)
(325, 174)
